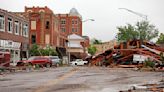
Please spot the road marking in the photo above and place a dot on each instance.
(45, 86)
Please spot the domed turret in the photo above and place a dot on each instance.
(74, 12)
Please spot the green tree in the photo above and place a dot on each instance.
(34, 51)
(92, 49)
(48, 51)
(96, 41)
(161, 39)
(127, 33)
(146, 30)
(142, 30)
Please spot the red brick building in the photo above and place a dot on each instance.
(70, 23)
(14, 35)
(46, 28)
(43, 26)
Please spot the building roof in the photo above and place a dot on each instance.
(74, 36)
(74, 12)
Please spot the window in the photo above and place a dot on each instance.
(47, 39)
(16, 27)
(47, 24)
(63, 29)
(2, 23)
(76, 22)
(33, 39)
(33, 25)
(25, 30)
(72, 21)
(63, 21)
(74, 30)
(10, 25)
(21, 28)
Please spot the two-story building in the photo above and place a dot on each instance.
(14, 33)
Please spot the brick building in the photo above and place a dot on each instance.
(71, 28)
(47, 28)
(43, 26)
(14, 35)
(70, 23)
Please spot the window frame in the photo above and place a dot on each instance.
(25, 30)
(10, 21)
(3, 23)
(16, 27)
(64, 29)
(63, 21)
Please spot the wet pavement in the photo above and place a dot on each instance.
(76, 79)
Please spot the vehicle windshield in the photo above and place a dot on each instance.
(54, 57)
(31, 58)
(37, 58)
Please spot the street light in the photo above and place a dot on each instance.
(139, 14)
(136, 13)
(88, 20)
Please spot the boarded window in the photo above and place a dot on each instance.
(33, 25)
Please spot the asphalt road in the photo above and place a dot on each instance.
(76, 79)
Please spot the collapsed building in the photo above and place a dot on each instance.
(126, 52)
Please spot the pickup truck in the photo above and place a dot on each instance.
(78, 62)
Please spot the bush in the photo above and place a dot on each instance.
(149, 63)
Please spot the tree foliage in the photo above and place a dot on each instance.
(34, 51)
(92, 49)
(96, 41)
(47, 51)
(161, 39)
(146, 30)
(142, 30)
(127, 33)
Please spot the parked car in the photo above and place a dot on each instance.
(56, 61)
(79, 62)
(36, 60)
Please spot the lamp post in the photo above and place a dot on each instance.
(88, 20)
(138, 14)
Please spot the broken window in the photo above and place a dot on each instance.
(33, 39)
(47, 24)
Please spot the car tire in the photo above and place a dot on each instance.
(75, 63)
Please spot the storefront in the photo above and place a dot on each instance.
(13, 47)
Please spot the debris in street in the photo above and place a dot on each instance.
(132, 54)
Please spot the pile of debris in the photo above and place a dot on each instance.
(147, 88)
(130, 54)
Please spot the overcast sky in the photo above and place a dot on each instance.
(105, 12)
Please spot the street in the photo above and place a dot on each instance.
(76, 79)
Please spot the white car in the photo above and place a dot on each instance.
(78, 62)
